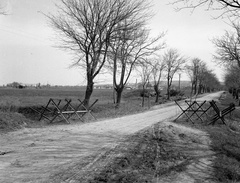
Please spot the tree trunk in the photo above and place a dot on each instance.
(234, 93)
(200, 89)
(119, 91)
(143, 97)
(157, 97)
(237, 97)
(168, 92)
(88, 92)
(114, 96)
(157, 93)
(195, 88)
(192, 89)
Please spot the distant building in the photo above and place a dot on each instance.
(16, 85)
(106, 86)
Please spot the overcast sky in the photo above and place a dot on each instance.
(28, 55)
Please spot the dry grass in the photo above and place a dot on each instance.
(225, 141)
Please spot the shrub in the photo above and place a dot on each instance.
(147, 93)
(176, 92)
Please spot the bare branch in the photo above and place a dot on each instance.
(228, 47)
(230, 8)
(174, 62)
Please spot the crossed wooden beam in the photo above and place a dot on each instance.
(220, 113)
(64, 109)
(196, 107)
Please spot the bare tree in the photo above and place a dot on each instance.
(193, 71)
(232, 81)
(211, 81)
(129, 48)
(158, 67)
(232, 77)
(145, 70)
(202, 70)
(228, 47)
(227, 7)
(174, 63)
(86, 28)
(207, 80)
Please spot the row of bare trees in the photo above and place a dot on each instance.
(112, 35)
(202, 79)
(161, 67)
(108, 34)
(172, 63)
(232, 81)
(227, 46)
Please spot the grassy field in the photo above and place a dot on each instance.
(15, 104)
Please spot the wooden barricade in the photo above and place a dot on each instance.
(193, 108)
(64, 109)
(220, 114)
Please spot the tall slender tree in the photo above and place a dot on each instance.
(193, 71)
(158, 68)
(145, 71)
(174, 62)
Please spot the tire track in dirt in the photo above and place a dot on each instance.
(37, 153)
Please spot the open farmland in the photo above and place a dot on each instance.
(17, 102)
(31, 97)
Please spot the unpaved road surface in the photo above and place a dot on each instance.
(33, 155)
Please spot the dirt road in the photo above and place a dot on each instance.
(33, 155)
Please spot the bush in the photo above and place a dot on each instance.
(176, 93)
(132, 93)
(147, 93)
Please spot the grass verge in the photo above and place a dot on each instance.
(225, 141)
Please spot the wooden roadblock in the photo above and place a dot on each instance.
(64, 109)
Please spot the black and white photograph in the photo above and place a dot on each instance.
(119, 91)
